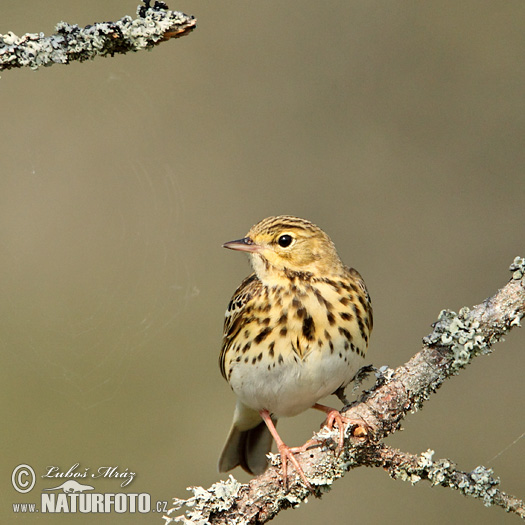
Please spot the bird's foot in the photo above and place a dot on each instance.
(333, 416)
(288, 454)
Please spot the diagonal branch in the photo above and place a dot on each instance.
(454, 342)
(153, 25)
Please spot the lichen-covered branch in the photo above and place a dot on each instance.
(479, 483)
(456, 339)
(154, 24)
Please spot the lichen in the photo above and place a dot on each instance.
(439, 472)
(384, 374)
(413, 473)
(71, 42)
(482, 485)
(219, 497)
(425, 460)
(518, 268)
(461, 333)
(479, 483)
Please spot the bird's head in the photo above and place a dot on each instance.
(286, 244)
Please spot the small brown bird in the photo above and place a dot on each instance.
(296, 330)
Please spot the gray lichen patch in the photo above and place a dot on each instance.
(220, 496)
(461, 333)
(518, 268)
(413, 473)
(479, 483)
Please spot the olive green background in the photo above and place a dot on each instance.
(398, 127)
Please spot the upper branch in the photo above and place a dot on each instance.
(454, 342)
(153, 25)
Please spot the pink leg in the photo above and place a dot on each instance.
(334, 416)
(286, 452)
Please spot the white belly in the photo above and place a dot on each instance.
(292, 386)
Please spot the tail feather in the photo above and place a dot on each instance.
(246, 447)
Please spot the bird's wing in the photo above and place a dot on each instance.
(235, 317)
(356, 276)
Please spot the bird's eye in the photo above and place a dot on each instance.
(285, 240)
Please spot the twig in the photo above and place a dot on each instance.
(454, 342)
(154, 24)
(479, 483)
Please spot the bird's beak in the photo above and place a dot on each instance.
(243, 245)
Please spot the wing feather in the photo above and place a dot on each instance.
(356, 276)
(235, 318)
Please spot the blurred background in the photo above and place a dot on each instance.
(398, 127)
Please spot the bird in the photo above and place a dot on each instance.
(295, 331)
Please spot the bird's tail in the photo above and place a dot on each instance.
(248, 442)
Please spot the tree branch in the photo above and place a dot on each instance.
(456, 339)
(479, 483)
(154, 24)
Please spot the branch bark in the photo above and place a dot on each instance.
(153, 25)
(455, 340)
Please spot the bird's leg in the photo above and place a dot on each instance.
(334, 416)
(285, 451)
